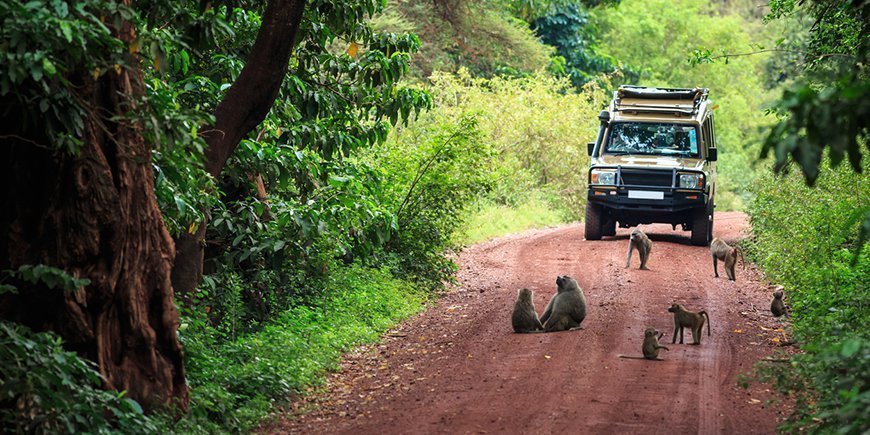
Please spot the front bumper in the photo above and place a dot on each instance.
(672, 200)
(666, 197)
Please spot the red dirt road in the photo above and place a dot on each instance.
(458, 368)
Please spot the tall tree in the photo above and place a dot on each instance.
(91, 210)
(243, 108)
(78, 187)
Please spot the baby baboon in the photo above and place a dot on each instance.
(684, 319)
(777, 308)
(638, 240)
(524, 318)
(721, 251)
(567, 308)
(651, 344)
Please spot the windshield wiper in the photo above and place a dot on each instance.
(618, 153)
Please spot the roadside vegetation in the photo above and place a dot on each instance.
(403, 131)
(806, 239)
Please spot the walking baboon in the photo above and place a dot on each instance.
(687, 319)
(567, 308)
(524, 318)
(638, 240)
(721, 251)
(777, 308)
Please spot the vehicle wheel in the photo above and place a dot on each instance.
(702, 227)
(609, 228)
(593, 221)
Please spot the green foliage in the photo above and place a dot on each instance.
(491, 220)
(805, 239)
(45, 389)
(834, 118)
(433, 171)
(48, 276)
(656, 37)
(482, 36)
(236, 382)
(41, 43)
(540, 144)
(568, 28)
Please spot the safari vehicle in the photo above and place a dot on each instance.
(654, 161)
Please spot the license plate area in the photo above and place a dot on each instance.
(645, 194)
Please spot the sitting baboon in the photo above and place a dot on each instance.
(638, 240)
(777, 307)
(684, 318)
(721, 251)
(651, 344)
(567, 308)
(524, 318)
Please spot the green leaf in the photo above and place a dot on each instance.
(850, 347)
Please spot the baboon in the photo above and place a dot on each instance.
(684, 318)
(721, 251)
(524, 318)
(651, 345)
(638, 240)
(777, 308)
(567, 308)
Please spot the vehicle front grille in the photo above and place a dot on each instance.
(647, 178)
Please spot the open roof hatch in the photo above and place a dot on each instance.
(639, 99)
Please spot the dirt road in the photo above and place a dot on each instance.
(458, 368)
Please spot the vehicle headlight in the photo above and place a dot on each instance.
(691, 181)
(601, 176)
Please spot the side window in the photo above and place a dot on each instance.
(712, 132)
(707, 133)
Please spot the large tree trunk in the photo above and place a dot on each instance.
(95, 215)
(246, 104)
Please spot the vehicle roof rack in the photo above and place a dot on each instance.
(685, 101)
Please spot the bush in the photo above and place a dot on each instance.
(45, 389)
(806, 239)
(235, 383)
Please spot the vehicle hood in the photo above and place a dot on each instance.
(652, 161)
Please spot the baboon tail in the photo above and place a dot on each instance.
(704, 313)
(742, 258)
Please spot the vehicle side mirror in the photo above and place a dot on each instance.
(590, 147)
(711, 154)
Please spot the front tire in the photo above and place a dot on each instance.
(593, 221)
(702, 226)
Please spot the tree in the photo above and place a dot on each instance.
(78, 194)
(243, 108)
(78, 187)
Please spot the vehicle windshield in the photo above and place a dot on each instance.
(663, 139)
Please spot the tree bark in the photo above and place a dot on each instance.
(95, 215)
(246, 104)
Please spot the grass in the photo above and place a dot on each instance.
(235, 384)
(494, 220)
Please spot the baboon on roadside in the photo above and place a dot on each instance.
(721, 251)
(567, 308)
(687, 319)
(524, 318)
(777, 308)
(638, 240)
(651, 345)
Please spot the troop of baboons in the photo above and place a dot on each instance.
(567, 308)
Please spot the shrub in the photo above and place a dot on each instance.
(806, 239)
(45, 389)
